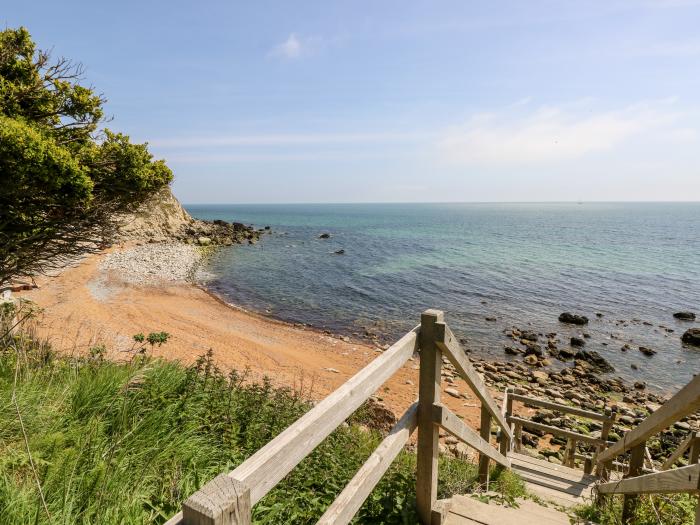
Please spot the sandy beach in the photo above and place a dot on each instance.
(87, 305)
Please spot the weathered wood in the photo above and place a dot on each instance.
(518, 440)
(176, 520)
(356, 491)
(505, 442)
(264, 469)
(485, 433)
(533, 401)
(447, 419)
(222, 501)
(602, 468)
(680, 450)
(449, 344)
(555, 430)
(428, 433)
(570, 453)
(686, 401)
(635, 469)
(694, 451)
(684, 479)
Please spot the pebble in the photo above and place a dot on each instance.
(153, 263)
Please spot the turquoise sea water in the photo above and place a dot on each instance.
(521, 264)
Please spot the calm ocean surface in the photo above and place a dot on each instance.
(522, 264)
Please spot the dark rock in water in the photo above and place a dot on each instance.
(647, 351)
(692, 337)
(595, 359)
(685, 316)
(565, 354)
(533, 349)
(528, 335)
(570, 318)
(511, 350)
(640, 385)
(324, 236)
(339, 252)
(577, 342)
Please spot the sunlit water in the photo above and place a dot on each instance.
(522, 264)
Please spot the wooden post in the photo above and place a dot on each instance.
(694, 451)
(635, 469)
(485, 433)
(222, 501)
(505, 442)
(518, 437)
(569, 459)
(428, 432)
(602, 469)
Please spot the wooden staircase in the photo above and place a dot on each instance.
(228, 498)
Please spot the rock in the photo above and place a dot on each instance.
(533, 349)
(339, 252)
(685, 316)
(565, 354)
(640, 385)
(453, 392)
(528, 336)
(692, 337)
(531, 359)
(324, 236)
(570, 318)
(647, 351)
(577, 342)
(203, 241)
(595, 359)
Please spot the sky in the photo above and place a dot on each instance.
(396, 101)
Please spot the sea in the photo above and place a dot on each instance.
(490, 267)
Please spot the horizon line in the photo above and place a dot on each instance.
(301, 203)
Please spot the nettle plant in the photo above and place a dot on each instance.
(143, 342)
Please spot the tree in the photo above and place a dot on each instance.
(64, 181)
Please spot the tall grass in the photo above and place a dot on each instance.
(105, 442)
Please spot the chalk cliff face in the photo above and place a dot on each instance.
(163, 219)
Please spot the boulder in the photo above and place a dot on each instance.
(692, 337)
(685, 316)
(203, 241)
(340, 252)
(570, 318)
(324, 236)
(577, 342)
(531, 359)
(533, 349)
(647, 351)
(595, 359)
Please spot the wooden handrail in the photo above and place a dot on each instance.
(685, 402)
(449, 344)
(533, 401)
(684, 479)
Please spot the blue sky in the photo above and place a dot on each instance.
(397, 100)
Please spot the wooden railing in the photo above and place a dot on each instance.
(572, 438)
(684, 403)
(228, 498)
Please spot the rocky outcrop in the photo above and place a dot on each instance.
(163, 219)
(685, 316)
(570, 318)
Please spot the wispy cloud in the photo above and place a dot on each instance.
(295, 47)
(547, 135)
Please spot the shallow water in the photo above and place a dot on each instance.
(521, 264)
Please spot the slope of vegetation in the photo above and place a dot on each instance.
(86, 440)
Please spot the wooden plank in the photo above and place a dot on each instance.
(447, 419)
(506, 443)
(684, 479)
(556, 430)
(485, 434)
(527, 513)
(356, 491)
(222, 501)
(554, 469)
(686, 401)
(428, 433)
(264, 469)
(559, 407)
(635, 469)
(176, 520)
(448, 343)
(554, 496)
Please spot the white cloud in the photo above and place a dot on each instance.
(293, 48)
(546, 135)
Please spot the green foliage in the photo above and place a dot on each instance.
(64, 180)
(669, 509)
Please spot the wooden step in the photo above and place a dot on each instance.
(553, 483)
(464, 510)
